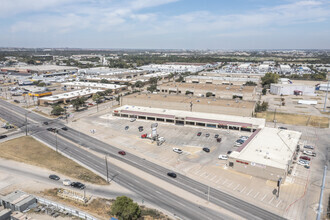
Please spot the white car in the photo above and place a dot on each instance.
(66, 182)
(133, 120)
(244, 138)
(309, 153)
(223, 157)
(177, 150)
(303, 162)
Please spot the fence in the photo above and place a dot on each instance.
(69, 210)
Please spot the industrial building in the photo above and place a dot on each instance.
(220, 80)
(176, 117)
(176, 67)
(193, 104)
(65, 97)
(292, 89)
(89, 85)
(268, 153)
(39, 69)
(204, 90)
(17, 201)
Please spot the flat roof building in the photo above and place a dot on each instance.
(64, 97)
(202, 90)
(177, 117)
(291, 89)
(193, 104)
(89, 85)
(220, 80)
(268, 153)
(17, 201)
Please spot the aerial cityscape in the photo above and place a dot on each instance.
(164, 109)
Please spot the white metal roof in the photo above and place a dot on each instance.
(256, 122)
(94, 85)
(70, 95)
(269, 147)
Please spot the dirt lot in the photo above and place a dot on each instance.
(28, 150)
(296, 119)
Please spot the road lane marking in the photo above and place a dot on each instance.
(249, 192)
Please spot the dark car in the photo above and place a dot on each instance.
(126, 127)
(54, 177)
(305, 158)
(206, 149)
(309, 147)
(78, 185)
(45, 123)
(283, 128)
(229, 152)
(122, 152)
(199, 133)
(3, 136)
(140, 128)
(51, 129)
(65, 128)
(171, 174)
(16, 101)
(216, 136)
(219, 140)
(207, 135)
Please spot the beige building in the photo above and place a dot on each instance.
(268, 153)
(202, 90)
(193, 104)
(220, 80)
(184, 118)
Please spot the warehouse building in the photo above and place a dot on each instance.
(88, 85)
(205, 90)
(177, 117)
(268, 153)
(65, 97)
(176, 67)
(292, 89)
(17, 201)
(193, 104)
(220, 80)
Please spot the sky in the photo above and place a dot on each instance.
(166, 24)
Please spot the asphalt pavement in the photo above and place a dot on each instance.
(157, 195)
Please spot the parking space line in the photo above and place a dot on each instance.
(243, 189)
(278, 203)
(271, 200)
(236, 187)
(230, 184)
(218, 180)
(203, 174)
(213, 177)
(256, 195)
(264, 197)
(224, 182)
(198, 171)
(249, 192)
(207, 174)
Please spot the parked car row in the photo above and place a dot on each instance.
(67, 182)
(3, 136)
(240, 141)
(208, 135)
(305, 160)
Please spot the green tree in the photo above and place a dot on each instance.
(152, 88)
(269, 78)
(108, 91)
(78, 102)
(96, 98)
(139, 84)
(104, 81)
(153, 80)
(57, 110)
(208, 94)
(124, 208)
(250, 83)
(264, 91)
(180, 79)
(261, 107)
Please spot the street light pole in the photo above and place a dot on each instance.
(106, 166)
(26, 122)
(56, 131)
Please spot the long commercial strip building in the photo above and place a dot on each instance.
(177, 117)
(220, 80)
(190, 103)
(89, 85)
(268, 153)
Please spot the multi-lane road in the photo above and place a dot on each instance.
(155, 194)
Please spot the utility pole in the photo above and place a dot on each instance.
(26, 123)
(321, 193)
(56, 131)
(326, 97)
(275, 118)
(279, 181)
(106, 166)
